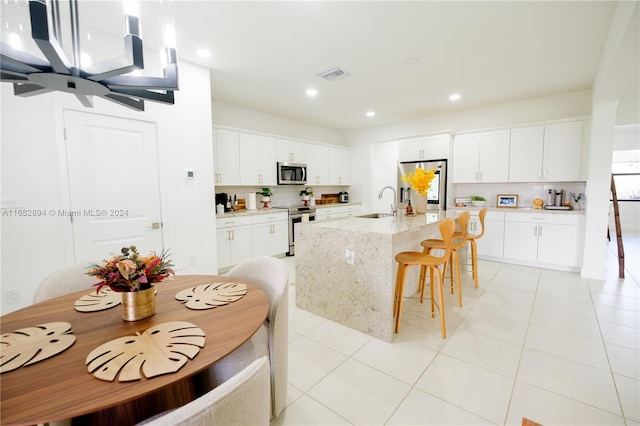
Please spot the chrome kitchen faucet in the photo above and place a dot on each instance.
(394, 209)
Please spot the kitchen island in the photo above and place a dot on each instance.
(346, 272)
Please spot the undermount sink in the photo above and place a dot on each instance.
(374, 215)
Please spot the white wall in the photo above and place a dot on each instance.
(31, 248)
(246, 119)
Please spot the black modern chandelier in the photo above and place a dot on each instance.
(31, 75)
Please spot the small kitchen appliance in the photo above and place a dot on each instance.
(223, 199)
(344, 197)
(292, 174)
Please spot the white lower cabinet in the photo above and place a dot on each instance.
(270, 234)
(552, 239)
(324, 213)
(234, 241)
(491, 244)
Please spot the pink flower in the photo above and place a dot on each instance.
(127, 268)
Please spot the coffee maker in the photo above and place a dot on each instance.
(223, 199)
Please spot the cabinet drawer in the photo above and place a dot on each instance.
(271, 217)
(557, 218)
(233, 221)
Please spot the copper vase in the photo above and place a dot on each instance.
(137, 305)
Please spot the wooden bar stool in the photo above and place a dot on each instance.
(474, 247)
(426, 261)
(458, 241)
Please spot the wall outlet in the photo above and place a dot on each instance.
(350, 256)
(13, 296)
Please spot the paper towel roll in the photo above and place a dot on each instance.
(251, 201)
(305, 217)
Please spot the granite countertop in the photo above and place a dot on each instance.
(250, 212)
(518, 210)
(322, 206)
(386, 225)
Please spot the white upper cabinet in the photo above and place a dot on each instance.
(290, 151)
(525, 157)
(257, 160)
(317, 164)
(548, 153)
(426, 148)
(562, 150)
(226, 150)
(466, 158)
(481, 157)
(338, 166)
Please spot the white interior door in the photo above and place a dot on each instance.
(114, 188)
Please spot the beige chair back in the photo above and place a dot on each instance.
(64, 281)
(244, 399)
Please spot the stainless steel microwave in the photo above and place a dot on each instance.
(292, 174)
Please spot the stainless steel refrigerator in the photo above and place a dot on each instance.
(437, 195)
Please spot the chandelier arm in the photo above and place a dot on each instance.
(169, 82)
(29, 89)
(148, 95)
(85, 100)
(9, 77)
(132, 60)
(75, 40)
(135, 104)
(22, 59)
(41, 31)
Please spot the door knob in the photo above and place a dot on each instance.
(154, 225)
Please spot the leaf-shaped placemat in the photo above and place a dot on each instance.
(93, 302)
(161, 349)
(33, 344)
(207, 296)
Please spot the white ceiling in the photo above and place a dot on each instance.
(266, 54)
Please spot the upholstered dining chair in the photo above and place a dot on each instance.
(459, 240)
(241, 400)
(272, 276)
(426, 261)
(65, 281)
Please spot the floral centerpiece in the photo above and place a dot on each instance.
(130, 272)
(420, 181)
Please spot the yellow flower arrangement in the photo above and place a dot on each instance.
(420, 180)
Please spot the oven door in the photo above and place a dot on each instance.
(293, 220)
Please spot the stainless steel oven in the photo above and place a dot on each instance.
(296, 215)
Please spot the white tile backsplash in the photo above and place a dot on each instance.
(283, 195)
(526, 192)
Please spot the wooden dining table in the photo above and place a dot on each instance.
(61, 387)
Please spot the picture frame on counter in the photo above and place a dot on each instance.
(507, 201)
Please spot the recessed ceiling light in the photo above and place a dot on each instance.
(454, 97)
(312, 93)
(203, 53)
(370, 113)
(411, 60)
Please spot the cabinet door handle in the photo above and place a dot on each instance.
(539, 230)
(535, 231)
(544, 173)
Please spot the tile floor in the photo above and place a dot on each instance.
(530, 342)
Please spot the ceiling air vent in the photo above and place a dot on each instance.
(334, 74)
